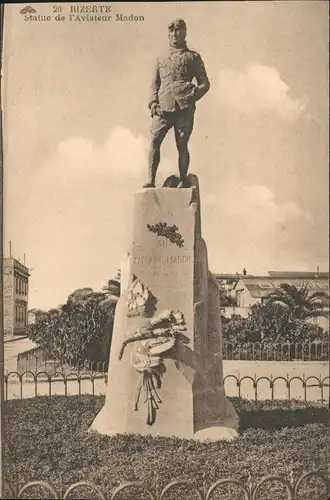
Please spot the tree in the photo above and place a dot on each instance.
(37, 312)
(80, 295)
(112, 289)
(265, 322)
(80, 330)
(300, 302)
(235, 329)
(271, 322)
(226, 299)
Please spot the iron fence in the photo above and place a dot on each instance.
(34, 360)
(247, 386)
(276, 351)
(250, 491)
(35, 380)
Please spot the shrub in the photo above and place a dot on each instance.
(46, 439)
(271, 322)
(278, 414)
(81, 329)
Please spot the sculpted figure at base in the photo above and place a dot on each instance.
(173, 99)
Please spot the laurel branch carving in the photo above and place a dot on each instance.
(169, 232)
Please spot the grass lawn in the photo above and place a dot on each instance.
(46, 439)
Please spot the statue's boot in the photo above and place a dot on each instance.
(152, 172)
(183, 168)
(183, 182)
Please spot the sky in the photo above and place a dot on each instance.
(76, 132)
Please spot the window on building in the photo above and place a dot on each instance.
(16, 283)
(239, 300)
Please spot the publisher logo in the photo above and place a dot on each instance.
(28, 10)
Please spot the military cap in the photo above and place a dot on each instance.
(177, 23)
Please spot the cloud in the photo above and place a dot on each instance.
(122, 158)
(81, 213)
(258, 203)
(122, 155)
(80, 218)
(259, 88)
(255, 230)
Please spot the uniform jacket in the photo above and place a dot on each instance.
(172, 79)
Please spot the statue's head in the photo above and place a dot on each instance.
(177, 31)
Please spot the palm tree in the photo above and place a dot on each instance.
(302, 304)
(112, 289)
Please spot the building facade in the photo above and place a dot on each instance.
(34, 315)
(248, 290)
(15, 296)
(31, 317)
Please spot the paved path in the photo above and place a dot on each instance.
(273, 369)
(277, 368)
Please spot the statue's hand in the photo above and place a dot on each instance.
(198, 93)
(194, 91)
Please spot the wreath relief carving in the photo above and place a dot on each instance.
(155, 338)
(169, 232)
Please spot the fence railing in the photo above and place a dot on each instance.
(34, 360)
(28, 384)
(36, 380)
(276, 351)
(267, 487)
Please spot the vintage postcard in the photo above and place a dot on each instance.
(165, 277)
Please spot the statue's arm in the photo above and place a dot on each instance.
(155, 84)
(203, 83)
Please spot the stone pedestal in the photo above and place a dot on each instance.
(165, 371)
